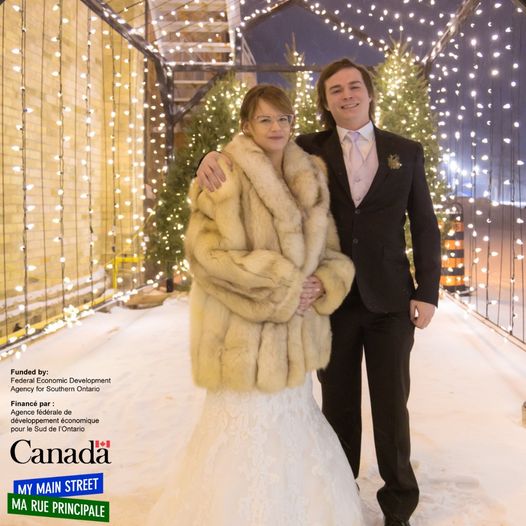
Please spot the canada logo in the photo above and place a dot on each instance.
(97, 452)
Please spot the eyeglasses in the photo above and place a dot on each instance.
(266, 121)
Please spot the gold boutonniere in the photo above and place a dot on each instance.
(393, 161)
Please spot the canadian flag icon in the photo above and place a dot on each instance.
(102, 443)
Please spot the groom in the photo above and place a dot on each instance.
(376, 179)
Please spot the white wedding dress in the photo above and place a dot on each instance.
(258, 459)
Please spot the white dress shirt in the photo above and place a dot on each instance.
(360, 181)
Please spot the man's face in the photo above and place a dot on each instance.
(348, 99)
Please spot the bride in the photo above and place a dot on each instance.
(267, 272)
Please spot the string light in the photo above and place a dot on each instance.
(61, 145)
(88, 157)
(23, 148)
(2, 161)
(486, 100)
(130, 202)
(112, 232)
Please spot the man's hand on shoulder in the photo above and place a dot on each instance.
(209, 173)
(421, 313)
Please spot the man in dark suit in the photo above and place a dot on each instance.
(376, 180)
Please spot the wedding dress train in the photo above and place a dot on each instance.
(258, 459)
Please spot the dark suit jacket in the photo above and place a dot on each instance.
(372, 234)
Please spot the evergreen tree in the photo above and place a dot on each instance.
(301, 92)
(291, 57)
(403, 107)
(209, 128)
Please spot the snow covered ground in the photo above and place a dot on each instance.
(468, 386)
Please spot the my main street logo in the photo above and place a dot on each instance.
(52, 497)
(23, 452)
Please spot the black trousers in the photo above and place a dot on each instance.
(386, 341)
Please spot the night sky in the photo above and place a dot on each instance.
(321, 44)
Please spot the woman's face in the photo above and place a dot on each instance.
(269, 127)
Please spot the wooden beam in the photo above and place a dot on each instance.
(202, 47)
(249, 68)
(186, 5)
(198, 96)
(190, 82)
(197, 26)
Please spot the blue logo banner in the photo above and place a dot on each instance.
(69, 486)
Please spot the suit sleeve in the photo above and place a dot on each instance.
(425, 235)
(302, 142)
(336, 272)
(259, 285)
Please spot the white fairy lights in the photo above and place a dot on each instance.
(23, 151)
(476, 90)
(394, 24)
(60, 109)
(2, 167)
(87, 161)
(61, 146)
(468, 97)
(134, 179)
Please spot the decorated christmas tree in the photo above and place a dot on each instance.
(403, 107)
(301, 92)
(209, 128)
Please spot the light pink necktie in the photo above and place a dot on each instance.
(355, 155)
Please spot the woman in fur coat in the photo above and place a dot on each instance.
(267, 272)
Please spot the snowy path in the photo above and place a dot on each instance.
(468, 385)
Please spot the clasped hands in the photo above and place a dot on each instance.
(312, 290)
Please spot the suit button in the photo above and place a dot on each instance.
(357, 211)
(354, 241)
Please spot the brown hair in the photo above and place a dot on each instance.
(328, 71)
(269, 93)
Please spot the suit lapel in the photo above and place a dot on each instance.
(333, 156)
(382, 150)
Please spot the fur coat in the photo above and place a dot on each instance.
(250, 245)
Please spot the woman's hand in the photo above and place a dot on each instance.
(312, 290)
(209, 174)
